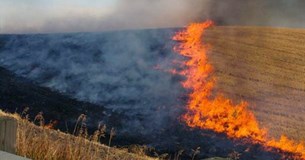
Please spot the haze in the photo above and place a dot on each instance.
(57, 16)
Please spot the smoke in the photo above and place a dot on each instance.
(81, 16)
(123, 71)
(66, 16)
(279, 13)
(136, 14)
(177, 13)
(156, 14)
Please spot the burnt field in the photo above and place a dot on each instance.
(122, 79)
(266, 67)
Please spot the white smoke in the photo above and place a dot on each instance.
(116, 70)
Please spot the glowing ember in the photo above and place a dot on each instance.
(218, 113)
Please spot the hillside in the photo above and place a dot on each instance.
(266, 67)
(121, 79)
(17, 93)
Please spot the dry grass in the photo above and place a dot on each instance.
(266, 67)
(42, 143)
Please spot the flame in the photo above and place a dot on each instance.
(218, 113)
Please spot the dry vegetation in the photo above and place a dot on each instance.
(266, 67)
(42, 143)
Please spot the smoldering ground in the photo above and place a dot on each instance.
(124, 71)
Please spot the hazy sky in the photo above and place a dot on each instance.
(40, 16)
(44, 16)
(18, 16)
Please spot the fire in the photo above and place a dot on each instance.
(218, 113)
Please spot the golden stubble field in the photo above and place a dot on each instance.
(266, 67)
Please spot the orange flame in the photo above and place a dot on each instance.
(218, 113)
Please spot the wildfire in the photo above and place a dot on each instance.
(217, 112)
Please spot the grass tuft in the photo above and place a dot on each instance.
(39, 142)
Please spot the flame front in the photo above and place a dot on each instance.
(218, 113)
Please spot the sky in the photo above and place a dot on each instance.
(58, 16)
(20, 16)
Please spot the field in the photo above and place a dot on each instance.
(266, 67)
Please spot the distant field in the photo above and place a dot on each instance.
(266, 67)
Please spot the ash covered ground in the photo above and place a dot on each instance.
(124, 71)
